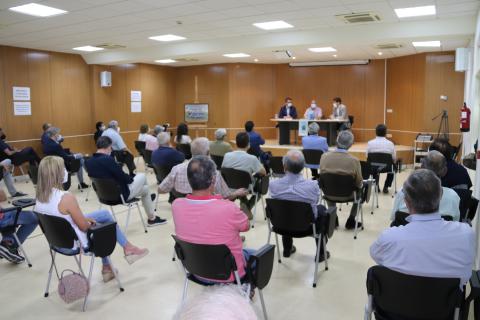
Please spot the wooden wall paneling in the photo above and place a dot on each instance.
(374, 98)
(352, 92)
(3, 90)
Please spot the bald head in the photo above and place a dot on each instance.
(294, 162)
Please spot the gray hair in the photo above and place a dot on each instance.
(436, 162)
(423, 191)
(201, 172)
(200, 147)
(52, 131)
(220, 133)
(158, 128)
(313, 128)
(345, 139)
(113, 124)
(163, 139)
(294, 161)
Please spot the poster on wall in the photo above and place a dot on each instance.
(303, 127)
(135, 106)
(21, 94)
(22, 108)
(196, 112)
(136, 96)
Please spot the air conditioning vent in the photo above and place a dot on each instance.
(186, 60)
(385, 46)
(110, 46)
(359, 17)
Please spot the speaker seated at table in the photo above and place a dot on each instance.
(288, 110)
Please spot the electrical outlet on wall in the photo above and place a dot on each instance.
(389, 110)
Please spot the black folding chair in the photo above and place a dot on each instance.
(218, 161)
(465, 196)
(383, 163)
(312, 157)
(147, 158)
(110, 194)
(295, 219)
(161, 172)
(340, 188)
(368, 175)
(61, 238)
(140, 147)
(395, 295)
(401, 219)
(276, 164)
(185, 149)
(12, 229)
(216, 262)
(73, 166)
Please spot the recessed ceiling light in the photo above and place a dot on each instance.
(167, 37)
(435, 43)
(415, 11)
(273, 25)
(256, 60)
(236, 55)
(37, 10)
(165, 61)
(294, 58)
(380, 53)
(88, 48)
(335, 56)
(323, 49)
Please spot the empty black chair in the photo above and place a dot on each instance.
(147, 158)
(276, 164)
(218, 161)
(12, 229)
(383, 163)
(109, 193)
(395, 295)
(367, 175)
(295, 219)
(185, 149)
(62, 238)
(161, 172)
(312, 157)
(140, 147)
(216, 262)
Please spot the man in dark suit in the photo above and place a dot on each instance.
(288, 109)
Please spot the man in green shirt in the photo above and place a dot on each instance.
(219, 147)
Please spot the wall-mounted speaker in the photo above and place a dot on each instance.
(105, 79)
(461, 59)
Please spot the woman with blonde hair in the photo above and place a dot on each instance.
(53, 200)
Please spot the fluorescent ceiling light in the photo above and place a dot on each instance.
(415, 11)
(273, 25)
(236, 55)
(88, 48)
(165, 61)
(324, 49)
(167, 37)
(435, 43)
(37, 10)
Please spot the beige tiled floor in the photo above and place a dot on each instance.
(153, 285)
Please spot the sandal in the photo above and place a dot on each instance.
(136, 255)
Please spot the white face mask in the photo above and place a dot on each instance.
(313, 106)
(65, 176)
(289, 104)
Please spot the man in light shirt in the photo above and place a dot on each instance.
(382, 145)
(427, 246)
(313, 112)
(119, 147)
(314, 142)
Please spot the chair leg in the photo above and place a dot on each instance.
(128, 219)
(23, 172)
(374, 195)
(315, 274)
(141, 217)
(269, 232)
(88, 193)
(356, 221)
(50, 273)
(260, 293)
(263, 207)
(156, 201)
(185, 288)
(84, 308)
(117, 277)
(394, 184)
(20, 246)
(324, 244)
(254, 211)
(173, 255)
(278, 248)
(368, 308)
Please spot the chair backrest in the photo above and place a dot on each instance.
(405, 296)
(351, 119)
(337, 185)
(102, 239)
(147, 157)
(276, 164)
(260, 266)
(107, 190)
(58, 231)
(161, 172)
(214, 262)
(380, 162)
(236, 179)
(33, 173)
(312, 156)
(400, 219)
(366, 169)
(73, 165)
(185, 149)
(289, 216)
(218, 161)
(140, 146)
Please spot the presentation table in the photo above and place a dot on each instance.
(329, 125)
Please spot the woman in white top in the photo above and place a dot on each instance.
(182, 134)
(52, 200)
(143, 132)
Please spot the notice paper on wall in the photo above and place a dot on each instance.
(21, 94)
(135, 106)
(136, 96)
(303, 127)
(22, 108)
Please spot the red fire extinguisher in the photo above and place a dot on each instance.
(464, 118)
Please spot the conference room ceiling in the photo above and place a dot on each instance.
(216, 27)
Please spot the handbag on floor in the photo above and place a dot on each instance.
(73, 286)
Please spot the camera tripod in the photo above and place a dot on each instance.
(443, 129)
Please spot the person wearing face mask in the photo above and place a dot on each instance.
(314, 112)
(18, 156)
(288, 110)
(52, 147)
(100, 126)
(44, 137)
(339, 112)
(120, 150)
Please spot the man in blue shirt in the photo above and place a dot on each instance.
(314, 142)
(165, 155)
(103, 166)
(256, 139)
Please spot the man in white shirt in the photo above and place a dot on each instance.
(427, 246)
(314, 112)
(382, 145)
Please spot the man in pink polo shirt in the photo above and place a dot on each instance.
(204, 218)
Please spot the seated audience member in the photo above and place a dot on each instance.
(44, 137)
(256, 139)
(143, 132)
(8, 246)
(219, 147)
(428, 246)
(151, 141)
(225, 302)
(205, 218)
(52, 148)
(313, 112)
(294, 187)
(449, 200)
(341, 162)
(103, 166)
(241, 160)
(182, 134)
(18, 156)
(314, 142)
(165, 155)
(177, 178)
(118, 145)
(53, 201)
(457, 176)
(6, 166)
(382, 145)
(288, 110)
(100, 128)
